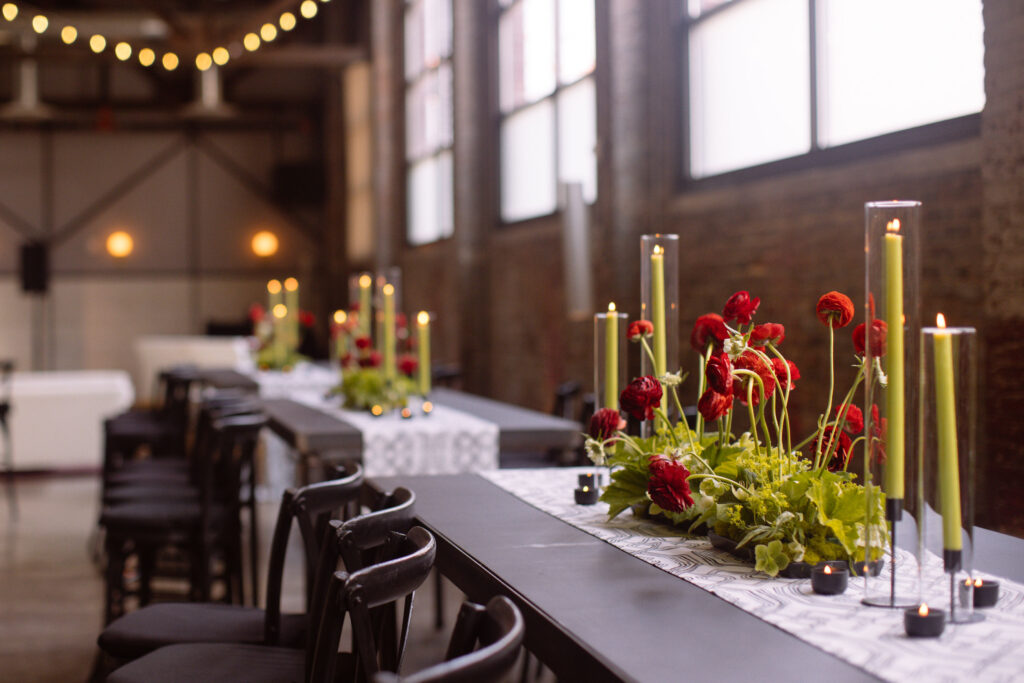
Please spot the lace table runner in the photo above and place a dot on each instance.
(870, 638)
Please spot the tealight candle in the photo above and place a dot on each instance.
(376, 411)
(829, 579)
(986, 593)
(586, 495)
(923, 622)
(406, 413)
(428, 407)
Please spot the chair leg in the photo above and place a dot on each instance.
(115, 579)
(12, 492)
(438, 600)
(254, 551)
(147, 560)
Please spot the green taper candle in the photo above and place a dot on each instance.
(611, 358)
(945, 420)
(390, 368)
(365, 305)
(895, 443)
(423, 346)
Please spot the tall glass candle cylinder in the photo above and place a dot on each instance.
(360, 297)
(891, 315)
(659, 292)
(609, 357)
(948, 409)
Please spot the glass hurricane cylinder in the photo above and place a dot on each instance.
(891, 320)
(360, 299)
(945, 524)
(659, 303)
(610, 359)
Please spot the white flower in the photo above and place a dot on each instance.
(595, 451)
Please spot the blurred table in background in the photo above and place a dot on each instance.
(156, 353)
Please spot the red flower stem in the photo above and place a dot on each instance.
(702, 386)
(852, 446)
(831, 390)
(753, 420)
(760, 404)
(836, 426)
(719, 477)
(682, 418)
(787, 425)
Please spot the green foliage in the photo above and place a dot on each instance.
(267, 359)
(367, 387)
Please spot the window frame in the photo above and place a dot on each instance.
(500, 116)
(938, 132)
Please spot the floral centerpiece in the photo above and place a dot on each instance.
(277, 343)
(789, 502)
(366, 383)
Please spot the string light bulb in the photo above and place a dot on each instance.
(308, 9)
(39, 23)
(287, 21)
(120, 244)
(123, 51)
(169, 61)
(203, 61)
(221, 56)
(268, 32)
(97, 43)
(146, 56)
(251, 42)
(69, 34)
(10, 11)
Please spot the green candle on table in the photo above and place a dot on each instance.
(390, 368)
(945, 420)
(365, 281)
(340, 338)
(894, 319)
(280, 347)
(658, 314)
(423, 346)
(611, 358)
(291, 300)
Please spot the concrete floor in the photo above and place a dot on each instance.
(51, 593)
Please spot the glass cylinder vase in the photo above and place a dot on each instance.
(388, 303)
(892, 317)
(360, 301)
(945, 523)
(610, 359)
(659, 303)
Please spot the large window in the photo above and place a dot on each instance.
(547, 101)
(771, 79)
(428, 119)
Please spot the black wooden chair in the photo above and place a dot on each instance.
(155, 626)
(355, 594)
(497, 628)
(6, 376)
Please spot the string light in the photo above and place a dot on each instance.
(268, 32)
(146, 57)
(308, 9)
(10, 11)
(170, 61)
(97, 43)
(69, 34)
(123, 51)
(203, 61)
(120, 244)
(221, 56)
(287, 21)
(251, 42)
(39, 23)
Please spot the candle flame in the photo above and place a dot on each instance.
(389, 289)
(274, 286)
(291, 284)
(340, 317)
(406, 412)
(828, 569)
(423, 318)
(658, 250)
(923, 609)
(940, 321)
(585, 489)
(377, 410)
(364, 280)
(977, 583)
(280, 311)
(611, 306)
(893, 225)
(427, 406)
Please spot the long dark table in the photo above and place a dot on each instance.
(594, 612)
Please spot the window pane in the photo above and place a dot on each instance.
(526, 48)
(887, 65)
(699, 7)
(528, 163)
(428, 117)
(575, 39)
(430, 199)
(437, 20)
(577, 137)
(413, 39)
(749, 86)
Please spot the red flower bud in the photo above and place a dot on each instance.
(363, 343)
(713, 405)
(854, 419)
(638, 329)
(667, 485)
(256, 313)
(708, 328)
(835, 309)
(719, 373)
(407, 364)
(751, 361)
(879, 336)
(740, 307)
(766, 333)
(641, 397)
(779, 368)
(306, 319)
(605, 422)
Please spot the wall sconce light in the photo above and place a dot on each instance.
(120, 244)
(264, 243)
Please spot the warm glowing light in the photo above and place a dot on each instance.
(828, 569)
(377, 411)
(10, 11)
(586, 489)
(388, 289)
(658, 249)
(146, 57)
(120, 244)
(274, 286)
(39, 23)
(203, 61)
(427, 406)
(268, 32)
(291, 284)
(923, 609)
(940, 321)
(280, 311)
(308, 9)
(251, 42)
(406, 413)
(423, 318)
(340, 317)
(893, 225)
(123, 51)
(364, 281)
(69, 34)
(221, 56)
(170, 61)
(264, 243)
(97, 43)
(287, 21)
(611, 306)
(977, 582)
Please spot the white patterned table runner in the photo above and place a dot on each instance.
(870, 638)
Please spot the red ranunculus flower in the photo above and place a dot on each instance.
(306, 319)
(879, 432)
(779, 368)
(713, 405)
(363, 343)
(854, 419)
(605, 422)
(346, 360)
(835, 309)
(879, 336)
(638, 329)
(719, 373)
(767, 332)
(740, 307)
(641, 397)
(842, 452)
(256, 313)
(353, 307)
(708, 328)
(407, 364)
(751, 361)
(667, 486)
(371, 360)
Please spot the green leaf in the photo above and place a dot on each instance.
(771, 558)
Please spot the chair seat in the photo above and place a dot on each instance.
(215, 662)
(143, 631)
(133, 477)
(139, 426)
(131, 493)
(152, 514)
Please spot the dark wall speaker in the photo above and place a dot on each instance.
(35, 267)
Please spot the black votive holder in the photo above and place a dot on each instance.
(586, 495)
(928, 625)
(829, 579)
(587, 479)
(986, 594)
